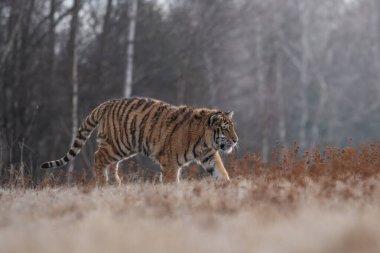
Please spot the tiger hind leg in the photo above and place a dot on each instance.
(116, 171)
(101, 166)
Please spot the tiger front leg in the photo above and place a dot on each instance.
(213, 164)
(168, 172)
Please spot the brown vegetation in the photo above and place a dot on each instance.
(315, 202)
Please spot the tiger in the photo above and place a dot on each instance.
(173, 136)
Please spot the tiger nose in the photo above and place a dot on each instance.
(235, 140)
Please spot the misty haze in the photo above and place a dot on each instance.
(301, 76)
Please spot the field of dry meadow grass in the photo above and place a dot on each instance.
(318, 202)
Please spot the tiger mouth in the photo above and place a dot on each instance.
(226, 148)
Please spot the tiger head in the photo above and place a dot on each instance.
(224, 137)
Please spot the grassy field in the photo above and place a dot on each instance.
(328, 202)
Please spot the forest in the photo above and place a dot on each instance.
(301, 76)
(295, 72)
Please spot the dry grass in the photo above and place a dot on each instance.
(318, 202)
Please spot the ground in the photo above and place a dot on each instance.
(265, 213)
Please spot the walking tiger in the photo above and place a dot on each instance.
(173, 136)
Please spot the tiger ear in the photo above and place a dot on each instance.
(213, 118)
(229, 114)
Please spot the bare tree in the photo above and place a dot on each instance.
(73, 68)
(213, 88)
(261, 87)
(103, 43)
(280, 97)
(279, 90)
(130, 48)
(376, 45)
(51, 56)
(304, 12)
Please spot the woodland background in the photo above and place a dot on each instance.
(293, 71)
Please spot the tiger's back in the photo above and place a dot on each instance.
(171, 135)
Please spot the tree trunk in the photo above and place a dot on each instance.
(213, 89)
(51, 62)
(305, 79)
(376, 44)
(280, 83)
(261, 89)
(51, 57)
(181, 86)
(323, 97)
(130, 48)
(103, 44)
(73, 68)
(280, 98)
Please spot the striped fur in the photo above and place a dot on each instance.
(173, 136)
